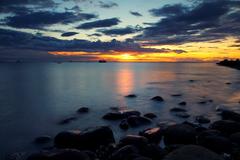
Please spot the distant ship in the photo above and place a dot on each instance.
(102, 61)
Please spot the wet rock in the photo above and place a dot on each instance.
(83, 110)
(182, 115)
(67, 120)
(202, 102)
(176, 95)
(113, 116)
(226, 127)
(124, 153)
(235, 138)
(42, 140)
(202, 119)
(191, 80)
(230, 115)
(228, 83)
(150, 115)
(131, 96)
(180, 134)
(154, 135)
(65, 154)
(165, 124)
(137, 141)
(127, 113)
(176, 109)
(214, 141)
(88, 139)
(136, 121)
(153, 151)
(192, 152)
(182, 103)
(157, 98)
(124, 124)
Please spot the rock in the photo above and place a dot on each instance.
(42, 140)
(180, 134)
(154, 135)
(128, 113)
(137, 141)
(114, 108)
(202, 102)
(67, 120)
(83, 110)
(202, 119)
(157, 98)
(153, 151)
(150, 115)
(182, 115)
(131, 96)
(176, 95)
(65, 154)
(176, 109)
(88, 139)
(192, 152)
(228, 83)
(214, 141)
(230, 115)
(226, 127)
(113, 116)
(235, 138)
(124, 124)
(136, 121)
(182, 103)
(191, 80)
(17, 156)
(124, 153)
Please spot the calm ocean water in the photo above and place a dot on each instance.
(34, 97)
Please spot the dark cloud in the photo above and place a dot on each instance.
(95, 35)
(41, 19)
(206, 21)
(120, 31)
(21, 41)
(68, 34)
(100, 23)
(107, 4)
(137, 14)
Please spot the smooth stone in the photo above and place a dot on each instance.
(136, 121)
(182, 103)
(182, 115)
(230, 115)
(235, 138)
(157, 98)
(88, 139)
(124, 124)
(202, 102)
(150, 115)
(176, 95)
(153, 151)
(67, 120)
(135, 140)
(180, 134)
(176, 109)
(154, 135)
(214, 141)
(113, 116)
(124, 153)
(202, 119)
(131, 96)
(42, 140)
(127, 113)
(83, 110)
(191, 80)
(226, 127)
(65, 154)
(192, 152)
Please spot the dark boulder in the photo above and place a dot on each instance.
(230, 115)
(182, 103)
(42, 140)
(67, 120)
(83, 110)
(182, 114)
(65, 154)
(150, 115)
(157, 98)
(192, 152)
(153, 151)
(202, 119)
(124, 124)
(176, 109)
(226, 127)
(113, 116)
(180, 134)
(176, 95)
(136, 121)
(127, 113)
(137, 141)
(88, 139)
(124, 153)
(235, 138)
(131, 96)
(154, 135)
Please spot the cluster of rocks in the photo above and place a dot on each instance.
(230, 63)
(184, 141)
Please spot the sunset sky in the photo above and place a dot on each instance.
(120, 30)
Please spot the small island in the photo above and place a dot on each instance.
(230, 63)
(102, 61)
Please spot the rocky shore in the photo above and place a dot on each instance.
(184, 141)
(230, 63)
